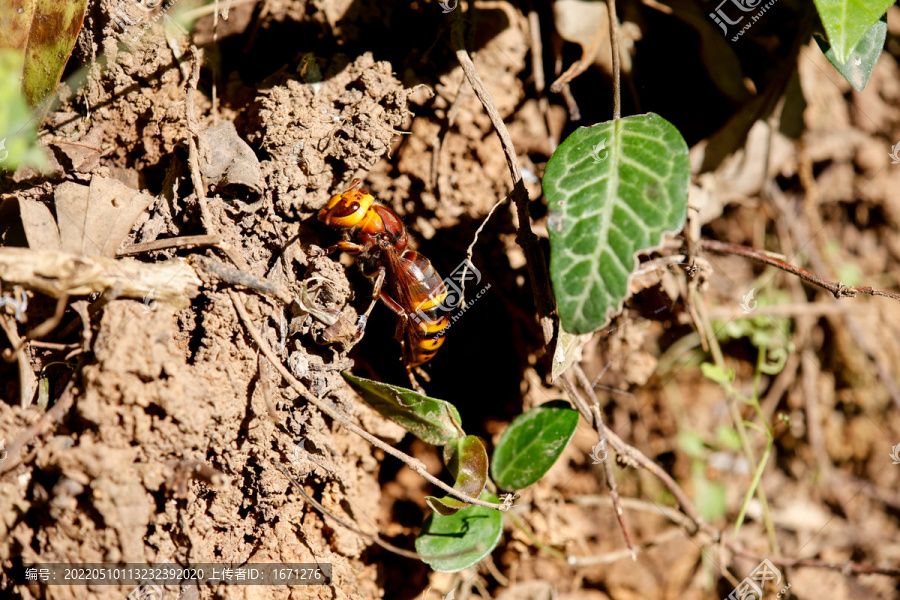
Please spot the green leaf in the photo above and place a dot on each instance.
(19, 146)
(692, 444)
(612, 190)
(858, 67)
(429, 419)
(451, 544)
(467, 461)
(779, 355)
(44, 32)
(847, 21)
(532, 443)
(709, 496)
(728, 437)
(716, 373)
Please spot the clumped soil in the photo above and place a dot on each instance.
(169, 451)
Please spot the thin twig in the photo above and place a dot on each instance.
(635, 504)
(527, 240)
(846, 567)
(27, 380)
(839, 290)
(635, 457)
(185, 241)
(53, 322)
(795, 310)
(52, 345)
(537, 70)
(741, 428)
(639, 459)
(471, 248)
(611, 485)
(616, 64)
(337, 415)
(38, 331)
(617, 555)
(195, 150)
(223, 272)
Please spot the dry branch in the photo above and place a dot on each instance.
(838, 289)
(57, 274)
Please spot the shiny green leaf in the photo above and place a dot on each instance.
(467, 461)
(456, 542)
(532, 443)
(858, 67)
(431, 420)
(847, 21)
(612, 190)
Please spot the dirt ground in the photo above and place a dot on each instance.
(323, 92)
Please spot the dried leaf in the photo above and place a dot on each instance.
(586, 23)
(229, 159)
(94, 220)
(85, 153)
(567, 352)
(40, 227)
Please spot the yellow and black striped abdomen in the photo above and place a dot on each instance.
(428, 316)
(425, 337)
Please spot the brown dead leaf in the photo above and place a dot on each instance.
(230, 160)
(85, 153)
(94, 220)
(586, 23)
(40, 227)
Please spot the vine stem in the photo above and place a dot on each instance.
(611, 485)
(337, 415)
(526, 238)
(838, 289)
(746, 446)
(616, 65)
